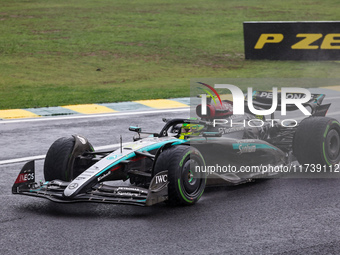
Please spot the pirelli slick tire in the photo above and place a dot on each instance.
(61, 162)
(186, 186)
(317, 141)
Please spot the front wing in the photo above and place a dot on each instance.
(99, 193)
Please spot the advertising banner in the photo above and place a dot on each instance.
(292, 40)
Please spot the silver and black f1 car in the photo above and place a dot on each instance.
(171, 165)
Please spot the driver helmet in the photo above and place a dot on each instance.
(190, 129)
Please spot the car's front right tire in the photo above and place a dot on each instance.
(61, 159)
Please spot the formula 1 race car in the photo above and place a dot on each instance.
(172, 165)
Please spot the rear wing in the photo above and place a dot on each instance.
(263, 100)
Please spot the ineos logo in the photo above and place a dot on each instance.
(73, 185)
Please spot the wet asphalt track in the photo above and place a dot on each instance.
(280, 216)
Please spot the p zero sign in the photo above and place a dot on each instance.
(292, 40)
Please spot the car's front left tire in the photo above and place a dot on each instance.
(186, 184)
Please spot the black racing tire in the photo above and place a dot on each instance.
(185, 185)
(317, 141)
(57, 164)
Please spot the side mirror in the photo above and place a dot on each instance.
(135, 129)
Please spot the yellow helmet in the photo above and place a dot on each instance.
(188, 129)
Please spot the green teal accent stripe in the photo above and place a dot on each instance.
(143, 200)
(180, 142)
(324, 134)
(147, 148)
(180, 190)
(324, 153)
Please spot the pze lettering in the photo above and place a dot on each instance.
(310, 41)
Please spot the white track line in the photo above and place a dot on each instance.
(330, 98)
(18, 160)
(40, 157)
(67, 117)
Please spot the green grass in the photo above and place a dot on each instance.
(51, 49)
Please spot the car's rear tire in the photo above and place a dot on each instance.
(186, 186)
(61, 163)
(317, 141)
